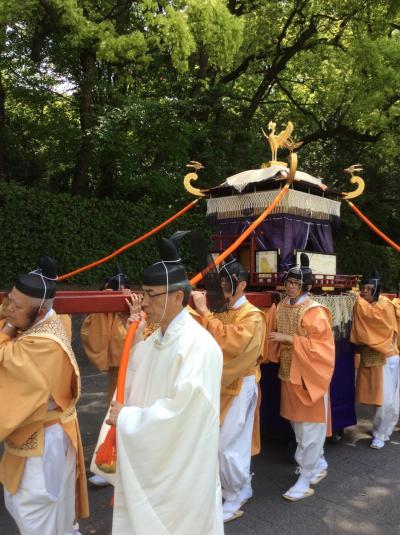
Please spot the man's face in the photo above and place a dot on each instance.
(153, 303)
(367, 291)
(293, 287)
(20, 312)
(226, 287)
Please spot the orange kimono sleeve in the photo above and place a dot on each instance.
(24, 389)
(3, 336)
(313, 357)
(242, 343)
(117, 339)
(396, 302)
(95, 334)
(375, 325)
(271, 349)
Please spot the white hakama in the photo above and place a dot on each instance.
(235, 444)
(387, 415)
(44, 503)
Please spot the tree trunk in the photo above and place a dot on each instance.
(83, 160)
(106, 184)
(3, 142)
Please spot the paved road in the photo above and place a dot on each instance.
(360, 496)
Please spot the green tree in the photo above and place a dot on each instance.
(113, 98)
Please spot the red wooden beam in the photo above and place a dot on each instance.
(262, 299)
(87, 302)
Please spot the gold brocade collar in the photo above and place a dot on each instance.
(53, 329)
(286, 302)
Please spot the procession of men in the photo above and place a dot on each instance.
(189, 424)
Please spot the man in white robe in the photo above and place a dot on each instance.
(167, 480)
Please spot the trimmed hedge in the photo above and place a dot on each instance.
(77, 231)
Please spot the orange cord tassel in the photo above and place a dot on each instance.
(106, 455)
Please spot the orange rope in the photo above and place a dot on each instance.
(123, 365)
(374, 228)
(130, 244)
(241, 238)
(106, 455)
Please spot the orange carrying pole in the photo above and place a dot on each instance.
(373, 227)
(106, 455)
(241, 238)
(130, 244)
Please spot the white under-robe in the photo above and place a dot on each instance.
(167, 479)
(235, 445)
(310, 438)
(387, 415)
(44, 503)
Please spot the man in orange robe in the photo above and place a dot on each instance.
(396, 302)
(42, 468)
(103, 335)
(240, 332)
(302, 341)
(374, 331)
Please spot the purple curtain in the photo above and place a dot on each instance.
(285, 232)
(342, 393)
(321, 237)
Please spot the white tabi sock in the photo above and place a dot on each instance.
(320, 471)
(301, 485)
(301, 489)
(229, 509)
(322, 465)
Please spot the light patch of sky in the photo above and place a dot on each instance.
(58, 82)
(46, 77)
(64, 87)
